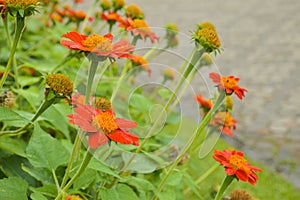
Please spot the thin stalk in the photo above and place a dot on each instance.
(88, 156)
(227, 181)
(55, 180)
(20, 25)
(203, 177)
(199, 130)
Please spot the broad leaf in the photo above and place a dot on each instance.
(8, 116)
(46, 151)
(13, 188)
(13, 145)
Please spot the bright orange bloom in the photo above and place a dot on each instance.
(205, 104)
(103, 126)
(101, 45)
(236, 165)
(141, 61)
(225, 122)
(111, 17)
(228, 83)
(139, 27)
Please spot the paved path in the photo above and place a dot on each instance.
(262, 44)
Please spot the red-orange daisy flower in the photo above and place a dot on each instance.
(141, 61)
(139, 27)
(235, 164)
(225, 122)
(101, 45)
(206, 105)
(228, 83)
(111, 16)
(103, 126)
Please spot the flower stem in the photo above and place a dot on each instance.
(194, 60)
(226, 182)
(88, 156)
(91, 75)
(43, 107)
(199, 130)
(20, 24)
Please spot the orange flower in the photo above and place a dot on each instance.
(206, 105)
(141, 61)
(111, 17)
(139, 27)
(228, 83)
(103, 126)
(224, 121)
(236, 165)
(101, 45)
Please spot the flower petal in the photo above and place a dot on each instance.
(74, 36)
(123, 137)
(97, 139)
(125, 125)
(216, 78)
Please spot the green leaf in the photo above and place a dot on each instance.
(140, 183)
(191, 184)
(11, 166)
(37, 196)
(13, 188)
(98, 166)
(120, 192)
(85, 179)
(40, 174)
(28, 80)
(9, 117)
(48, 190)
(13, 145)
(45, 151)
(32, 95)
(167, 195)
(142, 163)
(59, 111)
(174, 179)
(140, 102)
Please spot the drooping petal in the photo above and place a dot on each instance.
(123, 137)
(97, 139)
(216, 78)
(71, 45)
(125, 125)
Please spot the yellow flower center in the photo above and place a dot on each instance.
(207, 25)
(142, 25)
(105, 121)
(60, 84)
(224, 118)
(135, 11)
(99, 42)
(210, 36)
(102, 103)
(21, 3)
(229, 82)
(237, 161)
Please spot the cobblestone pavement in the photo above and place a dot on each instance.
(261, 46)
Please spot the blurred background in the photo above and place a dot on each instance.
(261, 46)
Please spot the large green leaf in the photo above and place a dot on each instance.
(46, 151)
(8, 116)
(11, 167)
(13, 145)
(13, 188)
(98, 166)
(40, 174)
(85, 179)
(59, 111)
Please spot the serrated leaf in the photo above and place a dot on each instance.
(13, 188)
(8, 116)
(13, 145)
(46, 151)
